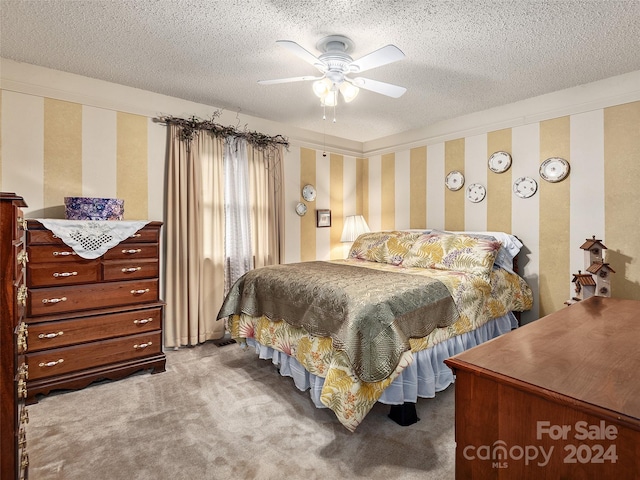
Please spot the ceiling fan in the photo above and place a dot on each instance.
(335, 65)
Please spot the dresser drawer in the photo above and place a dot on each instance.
(57, 361)
(38, 235)
(147, 235)
(52, 300)
(65, 273)
(52, 253)
(63, 333)
(42, 237)
(129, 269)
(132, 251)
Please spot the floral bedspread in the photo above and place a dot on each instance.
(343, 392)
(327, 299)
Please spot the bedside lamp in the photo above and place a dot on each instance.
(354, 225)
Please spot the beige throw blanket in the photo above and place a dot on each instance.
(369, 314)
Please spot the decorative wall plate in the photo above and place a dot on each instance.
(454, 180)
(554, 169)
(476, 192)
(309, 193)
(301, 209)
(499, 162)
(525, 187)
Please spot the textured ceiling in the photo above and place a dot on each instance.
(461, 56)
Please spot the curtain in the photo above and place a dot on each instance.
(267, 205)
(237, 238)
(195, 230)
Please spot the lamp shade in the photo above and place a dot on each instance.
(349, 92)
(322, 87)
(354, 225)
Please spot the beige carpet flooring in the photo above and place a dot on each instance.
(221, 413)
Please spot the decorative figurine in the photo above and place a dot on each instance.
(597, 280)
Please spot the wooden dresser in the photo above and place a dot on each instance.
(92, 319)
(557, 398)
(14, 460)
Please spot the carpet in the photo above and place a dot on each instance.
(222, 413)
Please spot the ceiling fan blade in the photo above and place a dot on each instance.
(296, 49)
(377, 58)
(289, 80)
(387, 89)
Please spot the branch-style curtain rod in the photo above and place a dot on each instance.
(192, 126)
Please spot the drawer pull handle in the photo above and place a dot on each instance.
(24, 415)
(22, 389)
(142, 345)
(50, 335)
(139, 292)
(23, 333)
(132, 251)
(135, 235)
(51, 364)
(54, 300)
(143, 321)
(131, 269)
(65, 274)
(23, 258)
(22, 295)
(63, 254)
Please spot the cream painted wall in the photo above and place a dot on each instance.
(114, 148)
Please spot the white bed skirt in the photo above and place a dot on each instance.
(423, 378)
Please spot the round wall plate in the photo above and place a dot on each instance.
(554, 169)
(476, 192)
(309, 193)
(525, 187)
(454, 180)
(499, 162)
(301, 209)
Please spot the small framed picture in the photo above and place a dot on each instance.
(323, 218)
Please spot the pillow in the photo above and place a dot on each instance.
(510, 248)
(458, 252)
(383, 247)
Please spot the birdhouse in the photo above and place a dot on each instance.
(597, 280)
(585, 285)
(593, 251)
(602, 272)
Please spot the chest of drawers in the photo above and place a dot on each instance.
(91, 319)
(14, 460)
(557, 398)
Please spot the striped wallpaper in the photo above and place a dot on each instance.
(405, 189)
(53, 147)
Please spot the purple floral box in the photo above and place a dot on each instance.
(90, 208)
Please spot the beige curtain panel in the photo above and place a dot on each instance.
(195, 259)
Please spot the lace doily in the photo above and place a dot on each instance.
(92, 238)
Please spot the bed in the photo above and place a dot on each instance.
(378, 325)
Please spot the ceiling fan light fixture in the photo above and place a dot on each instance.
(349, 92)
(330, 99)
(322, 87)
(335, 64)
